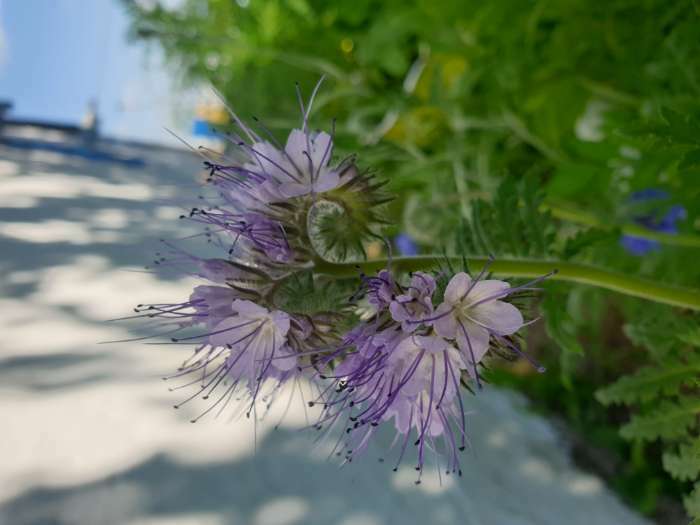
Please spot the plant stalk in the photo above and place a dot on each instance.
(565, 271)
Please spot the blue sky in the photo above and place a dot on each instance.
(57, 55)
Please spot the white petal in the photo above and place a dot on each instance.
(473, 341)
(327, 180)
(294, 189)
(249, 309)
(445, 324)
(402, 413)
(432, 344)
(281, 320)
(295, 148)
(320, 150)
(398, 311)
(271, 159)
(348, 174)
(497, 316)
(487, 288)
(285, 359)
(405, 350)
(435, 427)
(214, 296)
(233, 331)
(457, 287)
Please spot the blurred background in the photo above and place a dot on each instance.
(534, 128)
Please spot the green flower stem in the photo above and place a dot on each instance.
(581, 217)
(566, 271)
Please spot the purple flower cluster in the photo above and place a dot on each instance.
(408, 361)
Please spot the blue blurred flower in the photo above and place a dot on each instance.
(651, 219)
(405, 244)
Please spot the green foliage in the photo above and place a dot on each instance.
(664, 378)
(684, 464)
(692, 503)
(667, 420)
(512, 224)
(666, 397)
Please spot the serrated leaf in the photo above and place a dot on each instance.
(652, 381)
(668, 421)
(513, 223)
(692, 504)
(685, 464)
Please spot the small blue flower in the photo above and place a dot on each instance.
(650, 219)
(405, 244)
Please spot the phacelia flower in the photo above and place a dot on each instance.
(257, 339)
(473, 311)
(407, 364)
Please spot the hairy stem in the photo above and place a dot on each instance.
(566, 271)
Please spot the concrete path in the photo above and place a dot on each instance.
(89, 436)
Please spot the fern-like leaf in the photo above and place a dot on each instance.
(666, 378)
(692, 504)
(684, 465)
(668, 420)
